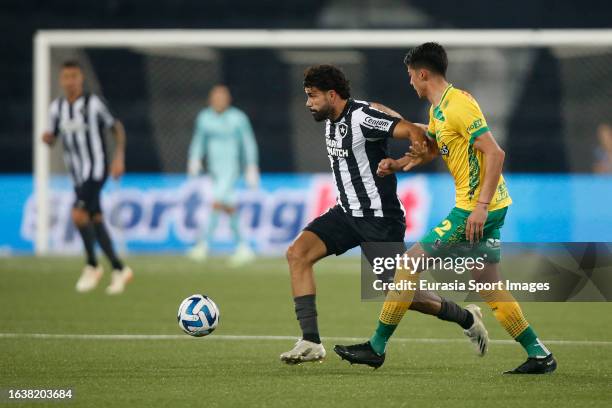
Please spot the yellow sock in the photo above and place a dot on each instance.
(398, 302)
(394, 308)
(507, 311)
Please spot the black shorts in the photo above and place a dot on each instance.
(88, 196)
(341, 232)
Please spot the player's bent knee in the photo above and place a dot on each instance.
(80, 217)
(298, 254)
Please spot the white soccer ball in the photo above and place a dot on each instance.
(198, 315)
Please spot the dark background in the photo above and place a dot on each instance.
(20, 19)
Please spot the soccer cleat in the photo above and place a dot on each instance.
(535, 365)
(360, 354)
(304, 351)
(89, 278)
(243, 255)
(119, 279)
(477, 334)
(198, 252)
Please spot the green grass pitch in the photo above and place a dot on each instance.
(37, 296)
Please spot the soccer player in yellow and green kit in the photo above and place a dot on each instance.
(458, 132)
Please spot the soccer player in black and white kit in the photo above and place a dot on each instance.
(80, 120)
(367, 209)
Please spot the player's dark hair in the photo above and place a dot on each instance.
(327, 78)
(71, 64)
(431, 56)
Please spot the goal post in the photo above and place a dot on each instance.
(46, 41)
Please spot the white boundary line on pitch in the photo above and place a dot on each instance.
(51, 336)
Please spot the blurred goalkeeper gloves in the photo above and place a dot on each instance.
(194, 167)
(251, 176)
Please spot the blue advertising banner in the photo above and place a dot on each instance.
(167, 213)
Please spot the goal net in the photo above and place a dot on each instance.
(544, 93)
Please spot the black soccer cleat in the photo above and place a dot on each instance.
(360, 354)
(536, 366)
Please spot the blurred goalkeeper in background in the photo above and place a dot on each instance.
(223, 135)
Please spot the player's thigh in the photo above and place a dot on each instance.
(334, 229)
(224, 191)
(381, 237)
(88, 197)
(448, 237)
(448, 234)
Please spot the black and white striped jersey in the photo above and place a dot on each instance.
(81, 126)
(356, 142)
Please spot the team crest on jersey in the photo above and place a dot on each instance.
(444, 150)
(343, 129)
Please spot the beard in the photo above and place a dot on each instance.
(321, 114)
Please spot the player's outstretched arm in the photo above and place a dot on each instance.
(423, 149)
(250, 153)
(386, 109)
(197, 148)
(118, 164)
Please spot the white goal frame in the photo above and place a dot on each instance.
(45, 40)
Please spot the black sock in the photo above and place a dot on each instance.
(306, 312)
(106, 244)
(452, 312)
(89, 240)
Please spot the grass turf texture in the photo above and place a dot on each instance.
(37, 296)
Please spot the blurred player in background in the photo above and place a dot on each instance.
(459, 133)
(80, 120)
(223, 135)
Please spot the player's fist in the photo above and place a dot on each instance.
(194, 166)
(48, 138)
(117, 168)
(251, 176)
(387, 167)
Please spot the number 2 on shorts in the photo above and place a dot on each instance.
(444, 228)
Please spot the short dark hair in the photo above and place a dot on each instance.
(327, 78)
(431, 56)
(71, 64)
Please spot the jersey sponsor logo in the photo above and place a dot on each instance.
(379, 124)
(334, 148)
(69, 126)
(502, 192)
(342, 129)
(474, 126)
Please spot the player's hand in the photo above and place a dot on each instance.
(416, 155)
(386, 167)
(474, 228)
(251, 177)
(194, 167)
(117, 168)
(48, 138)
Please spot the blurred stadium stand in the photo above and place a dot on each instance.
(545, 111)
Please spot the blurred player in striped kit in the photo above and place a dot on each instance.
(223, 135)
(80, 121)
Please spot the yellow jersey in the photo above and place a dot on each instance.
(455, 123)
